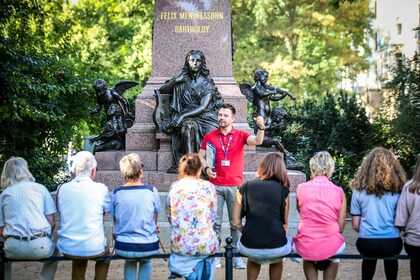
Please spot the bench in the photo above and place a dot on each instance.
(228, 255)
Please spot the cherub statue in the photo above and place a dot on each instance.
(261, 94)
(117, 111)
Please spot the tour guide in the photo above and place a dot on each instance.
(227, 174)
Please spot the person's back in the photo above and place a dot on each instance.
(265, 200)
(81, 204)
(135, 207)
(408, 219)
(376, 188)
(26, 217)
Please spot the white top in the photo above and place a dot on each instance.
(408, 215)
(24, 206)
(81, 204)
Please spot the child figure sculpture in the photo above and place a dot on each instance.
(261, 94)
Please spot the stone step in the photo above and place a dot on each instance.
(162, 180)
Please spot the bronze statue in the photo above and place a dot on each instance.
(117, 112)
(261, 94)
(193, 101)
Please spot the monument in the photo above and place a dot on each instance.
(180, 27)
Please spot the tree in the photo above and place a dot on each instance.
(398, 124)
(303, 44)
(113, 37)
(43, 95)
(51, 52)
(338, 125)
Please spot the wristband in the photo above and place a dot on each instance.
(259, 128)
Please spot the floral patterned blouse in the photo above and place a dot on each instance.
(191, 206)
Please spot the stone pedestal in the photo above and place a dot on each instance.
(178, 28)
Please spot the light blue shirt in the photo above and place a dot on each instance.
(134, 208)
(23, 207)
(377, 214)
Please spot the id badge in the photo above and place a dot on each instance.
(225, 162)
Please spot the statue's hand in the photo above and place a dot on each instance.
(176, 122)
(182, 77)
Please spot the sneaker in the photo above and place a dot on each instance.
(218, 264)
(238, 263)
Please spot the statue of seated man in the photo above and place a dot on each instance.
(193, 105)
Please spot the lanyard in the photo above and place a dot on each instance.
(225, 150)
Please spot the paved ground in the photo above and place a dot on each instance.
(349, 269)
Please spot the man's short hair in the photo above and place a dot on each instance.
(83, 163)
(228, 106)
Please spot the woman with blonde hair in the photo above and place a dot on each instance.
(26, 217)
(408, 219)
(191, 208)
(376, 190)
(322, 206)
(264, 201)
(135, 207)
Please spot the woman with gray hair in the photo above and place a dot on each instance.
(135, 207)
(322, 207)
(26, 217)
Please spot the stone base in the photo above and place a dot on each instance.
(162, 180)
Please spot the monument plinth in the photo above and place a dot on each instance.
(180, 27)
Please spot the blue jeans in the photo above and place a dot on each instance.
(130, 266)
(202, 271)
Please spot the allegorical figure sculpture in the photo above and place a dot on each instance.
(261, 94)
(192, 102)
(117, 112)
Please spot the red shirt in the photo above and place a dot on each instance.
(231, 175)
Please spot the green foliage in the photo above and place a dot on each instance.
(337, 125)
(113, 37)
(51, 52)
(398, 124)
(43, 96)
(302, 44)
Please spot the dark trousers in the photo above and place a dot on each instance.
(379, 248)
(414, 253)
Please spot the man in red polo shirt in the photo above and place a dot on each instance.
(227, 174)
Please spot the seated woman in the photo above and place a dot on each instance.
(194, 103)
(376, 190)
(264, 201)
(191, 208)
(135, 207)
(408, 219)
(322, 207)
(26, 217)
